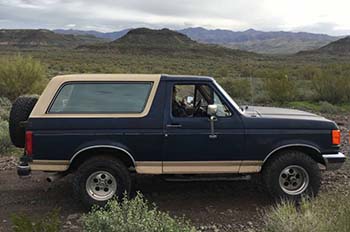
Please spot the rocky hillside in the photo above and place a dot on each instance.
(104, 35)
(42, 38)
(340, 47)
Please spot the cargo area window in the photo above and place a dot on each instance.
(101, 97)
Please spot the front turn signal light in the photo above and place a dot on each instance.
(335, 137)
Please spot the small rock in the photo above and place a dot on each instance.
(73, 217)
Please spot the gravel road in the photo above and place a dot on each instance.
(211, 206)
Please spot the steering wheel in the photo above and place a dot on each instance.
(197, 107)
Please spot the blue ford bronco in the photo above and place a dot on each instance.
(105, 127)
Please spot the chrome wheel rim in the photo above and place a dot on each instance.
(101, 185)
(294, 180)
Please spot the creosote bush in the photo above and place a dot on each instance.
(5, 107)
(133, 215)
(333, 89)
(238, 89)
(280, 88)
(5, 142)
(323, 214)
(21, 75)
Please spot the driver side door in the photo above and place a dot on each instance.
(189, 148)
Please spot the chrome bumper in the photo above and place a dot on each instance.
(334, 161)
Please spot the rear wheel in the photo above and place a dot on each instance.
(292, 174)
(99, 179)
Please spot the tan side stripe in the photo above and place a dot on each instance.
(49, 165)
(176, 167)
(149, 167)
(201, 167)
(250, 166)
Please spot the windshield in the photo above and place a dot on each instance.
(228, 97)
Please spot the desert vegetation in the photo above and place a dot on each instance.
(323, 214)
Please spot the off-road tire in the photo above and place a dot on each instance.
(101, 163)
(20, 111)
(274, 167)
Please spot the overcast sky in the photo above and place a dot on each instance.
(321, 16)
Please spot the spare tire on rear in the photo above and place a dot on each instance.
(20, 111)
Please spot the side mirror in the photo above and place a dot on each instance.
(212, 110)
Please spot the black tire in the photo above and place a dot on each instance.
(274, 174)
(20, 112)
(107, 164)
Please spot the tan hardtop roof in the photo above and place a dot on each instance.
(111, 77)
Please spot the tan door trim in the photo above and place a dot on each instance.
(198, 167)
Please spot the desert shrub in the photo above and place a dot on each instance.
(310, 72)
(5, 107)
(132, 215)
(48, 223)
(5, 142)
(326, 107)
(238, 89)
(332, 88)
(20, 75)
(323, 214)
(280, 88)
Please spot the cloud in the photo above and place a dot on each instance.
(108, 15)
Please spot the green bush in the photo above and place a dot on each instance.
(323, 214)
(20, 75)
(332, 88)
(238, 89)
(326, 107)
(132, 215)
(49, 223)
(5, 107)
(280, 88)
(5, 142)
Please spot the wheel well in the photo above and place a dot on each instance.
(93, 152)
(313, 153)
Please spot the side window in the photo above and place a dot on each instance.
(193, 100)
(102, 97)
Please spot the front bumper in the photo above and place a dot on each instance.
(334, 161)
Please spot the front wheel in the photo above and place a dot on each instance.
(99, 179)
(292, 174)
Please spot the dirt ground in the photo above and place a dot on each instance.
(211, 206)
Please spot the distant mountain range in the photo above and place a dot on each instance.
(107, 35)
(43, 38)
(192, 39)
(278, 42)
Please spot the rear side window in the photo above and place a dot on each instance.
(112, 97)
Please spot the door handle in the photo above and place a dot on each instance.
(173, 126)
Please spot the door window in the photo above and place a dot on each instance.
(193, 100)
